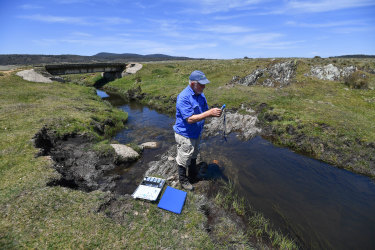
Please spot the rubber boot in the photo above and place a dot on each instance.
(184, 181)
(193, 173)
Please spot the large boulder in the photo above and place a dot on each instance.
(331, 72)
(252, 78)
(131, 68)
(276, 75)
(245, 125)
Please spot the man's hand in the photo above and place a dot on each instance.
(215, 112)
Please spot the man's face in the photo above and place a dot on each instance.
(198, 88)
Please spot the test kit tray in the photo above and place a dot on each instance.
(149, 189)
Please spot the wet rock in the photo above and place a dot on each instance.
(331, 72)
(245, 125)
(125, 153)
(164, 168)
(168, 169)
(171, 178)
(149, 145)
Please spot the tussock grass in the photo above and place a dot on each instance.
(258, 227)
(34, 215)
(339, 119)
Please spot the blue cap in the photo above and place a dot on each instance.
(198, 76)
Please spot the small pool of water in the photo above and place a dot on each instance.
(325, 207)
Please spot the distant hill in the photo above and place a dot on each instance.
(354, 56)
(26, 59)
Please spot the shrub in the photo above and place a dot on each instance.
(357, 80)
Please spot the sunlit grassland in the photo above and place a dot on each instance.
(330, 111)
(35, 215)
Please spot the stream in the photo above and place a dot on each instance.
(321, 205)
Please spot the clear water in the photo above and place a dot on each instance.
(325, 207)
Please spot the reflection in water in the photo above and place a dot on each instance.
(324, 206)
(102, 94)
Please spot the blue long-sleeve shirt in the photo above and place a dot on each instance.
(188, 104)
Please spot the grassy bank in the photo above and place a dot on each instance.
(328, 120)
(34, 215)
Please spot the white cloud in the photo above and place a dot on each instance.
(77, 33)
(125, 44)
(327, 5)
(255, 38)
(316, 6)
(169, 28)
(183, 49)
(56, 19)
(262, 41)
(77, 20)
(87, 1)
(30, 7)
(173, 28)
(282, 45)
(342, 27)
(350, 30)
(226, 29)
(216, 6)
(115, 20)
(327, 24)
(221, 17)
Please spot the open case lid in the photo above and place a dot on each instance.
(149, 189)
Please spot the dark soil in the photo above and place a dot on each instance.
(80, 167)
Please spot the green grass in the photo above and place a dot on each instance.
(308, 105)
(34, 215)
(258, 227)
(83, 79)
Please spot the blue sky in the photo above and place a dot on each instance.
(220, 29)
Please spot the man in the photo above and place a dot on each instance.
(191, 110)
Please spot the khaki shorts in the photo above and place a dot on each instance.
(187, 149)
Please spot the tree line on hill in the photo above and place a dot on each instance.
(354, 56)
(26, 59)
